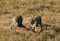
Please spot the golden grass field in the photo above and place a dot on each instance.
(49, 10)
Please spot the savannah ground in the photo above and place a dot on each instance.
(49, 10)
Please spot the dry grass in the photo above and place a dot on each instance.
(48, 9)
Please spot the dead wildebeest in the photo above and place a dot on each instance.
(36, 22)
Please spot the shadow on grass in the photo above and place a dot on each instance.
(56, 28)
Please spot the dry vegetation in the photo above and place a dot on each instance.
(48, 9)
